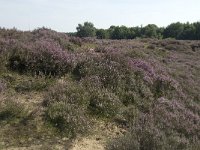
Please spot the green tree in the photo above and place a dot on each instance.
(197, 30)
(132, 33)
(101, 34)
(160, 32)
(174, 30)
(137, 31)
(150, 31)
(110, 31)
(86, 30)
(188, 32)
(120, 32)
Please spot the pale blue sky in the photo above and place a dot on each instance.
(64, 15)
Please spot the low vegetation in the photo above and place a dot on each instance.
(55, 88)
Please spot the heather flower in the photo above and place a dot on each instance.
(173, 115)
(143, 67)
(46, 56)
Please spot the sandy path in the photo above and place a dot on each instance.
(88, 144)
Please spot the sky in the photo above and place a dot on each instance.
(65, 15)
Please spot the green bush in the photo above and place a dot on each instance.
(134, 91)
(39, 57)
(104, 104)
(69, 119)
(130, 114)
(66, 104)
(34, 84)
(147, 138)
(169, 125)
(127, 142)
(67, 92)
(11, 110)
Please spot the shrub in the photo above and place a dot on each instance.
(144, 68)
(2, 86)
(168, 125)
(35, 84)
(109, 72)
(129, 97)
(165, 86)
(173, 115)
(146, 139)
(128, 115)
(66, 105)
(3, 48)
(44, 34)
(11, 110)
(124, 143)
(67, 92)
(44, 56)
(133, 90)
(69, 119)
(104, 103)
(158, 81)
(144, 135)
(76, 41)
(91, 82)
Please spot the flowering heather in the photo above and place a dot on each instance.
(66, 104)
(104, 103)
(155, 75)
(143, 67)
(6, 45)
(150, 88)
(53, 57)
(108, 71)
(76, 40)
(92, 82)
(2, 45)
(169, 125)
(44, 33)
(67, 92)
(173, 115)
(44, 56)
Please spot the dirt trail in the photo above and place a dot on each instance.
(88, 144)
(102, 131)
(101, 134)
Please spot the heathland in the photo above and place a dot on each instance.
(65, 92)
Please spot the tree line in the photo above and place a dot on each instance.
(179, 31)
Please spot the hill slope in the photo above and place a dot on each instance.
(61, 92)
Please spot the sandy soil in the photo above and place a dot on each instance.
(88, 144)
